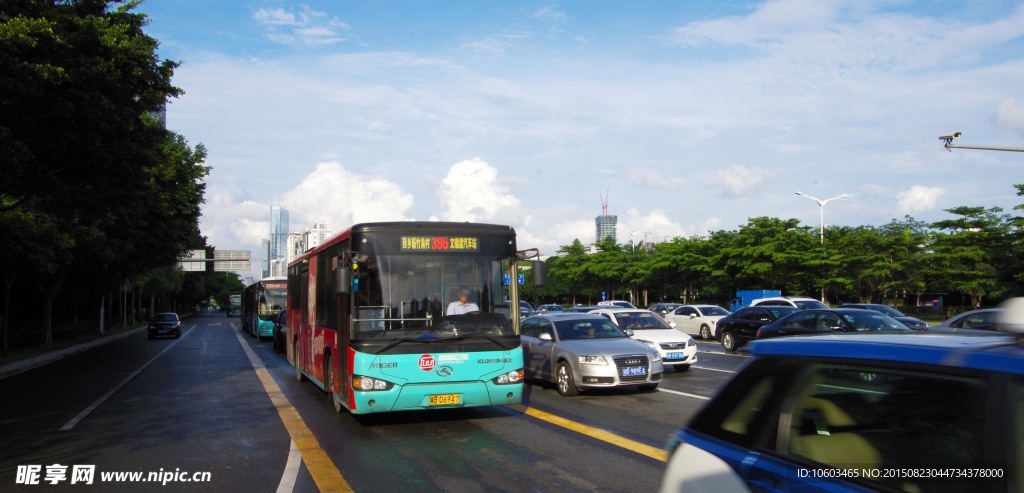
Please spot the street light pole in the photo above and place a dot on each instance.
(821, 205)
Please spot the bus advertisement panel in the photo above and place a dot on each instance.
(261, 302)
(409, 315)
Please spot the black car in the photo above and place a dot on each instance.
(281, 330)
(912, 322)
(740, 326)
(809, 322)
(164, 325)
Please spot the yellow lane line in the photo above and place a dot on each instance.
(325, 474)
(619, 441)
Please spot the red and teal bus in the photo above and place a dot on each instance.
(261, 302)
(369, 323)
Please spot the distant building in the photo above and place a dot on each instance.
(605, 227)
(299, 243)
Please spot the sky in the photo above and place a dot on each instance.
(681, 118)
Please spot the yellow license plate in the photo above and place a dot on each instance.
(445, 399)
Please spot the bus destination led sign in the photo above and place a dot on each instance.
(440, 244)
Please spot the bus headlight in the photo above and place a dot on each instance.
(369, 384)
(593, 360)
(514, 376)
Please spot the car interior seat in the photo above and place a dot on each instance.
(817, 434)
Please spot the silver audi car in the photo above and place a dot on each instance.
(579, 351)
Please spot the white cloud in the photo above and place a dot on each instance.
(472, 192)
(344, 198)
(737, 180)
(1010, 115)
(305, 26)
(917, 199)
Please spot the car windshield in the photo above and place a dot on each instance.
(644, 320)
(165, 317)
(587, 329)
(713, 311)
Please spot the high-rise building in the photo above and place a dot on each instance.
(278, 232)
(605, 227)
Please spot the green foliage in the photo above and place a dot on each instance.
(95, 189)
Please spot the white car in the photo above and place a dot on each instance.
(677, 350)
(616, 304)
(697, 319)
(797, 301)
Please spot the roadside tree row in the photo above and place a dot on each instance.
(973, 258)
(96, 194)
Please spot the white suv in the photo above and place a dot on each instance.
(797, 301)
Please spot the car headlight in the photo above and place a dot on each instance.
(593, 360)
(368, 384)
(514, 376)
(652, 345)
(690, 342)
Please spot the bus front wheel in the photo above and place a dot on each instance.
(329, 383)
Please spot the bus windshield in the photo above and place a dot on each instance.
(273, 297)
(421, 296)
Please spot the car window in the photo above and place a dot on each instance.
(529, 328)
(686, 311)
(777, 312)
(587, 329)
(862, 417)
(800, 321)
(640, 321)
(747, 408)
(714, 311)
(979, 321)
(545, 328)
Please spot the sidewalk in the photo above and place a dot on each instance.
(16, 367)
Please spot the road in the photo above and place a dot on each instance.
(219, 411)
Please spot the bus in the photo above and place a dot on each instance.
(261, 302)
(368, 318)
(234, 307)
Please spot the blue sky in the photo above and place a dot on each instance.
(688, 117)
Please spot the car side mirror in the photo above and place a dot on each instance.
(544, 336)
(693, 315)
(630, 333)
(672, 324)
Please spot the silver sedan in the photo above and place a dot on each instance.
(578, 351)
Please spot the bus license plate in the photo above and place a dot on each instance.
(633, 370)
(675, 355)
(446, 399)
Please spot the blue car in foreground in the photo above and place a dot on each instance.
(913, 412)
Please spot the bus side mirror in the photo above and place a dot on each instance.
(342, 280)
(540, 273)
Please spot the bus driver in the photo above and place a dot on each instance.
(463, 305)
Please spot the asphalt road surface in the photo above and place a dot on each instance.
(219, 411)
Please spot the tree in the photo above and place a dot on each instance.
(963, 258)
(79, 83)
